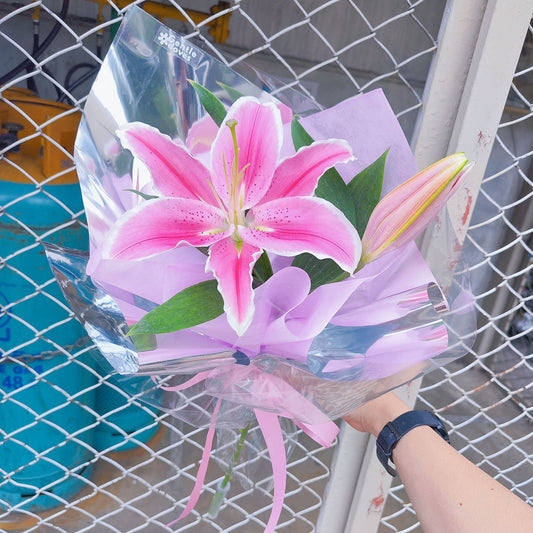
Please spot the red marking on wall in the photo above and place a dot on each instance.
(377, 502)
(452, 265)
(467, 209)
(483, 139)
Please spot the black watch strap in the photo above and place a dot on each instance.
(395, 430)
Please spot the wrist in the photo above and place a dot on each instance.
(395, 430)
(385, 409)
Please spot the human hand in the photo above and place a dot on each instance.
(375, 414)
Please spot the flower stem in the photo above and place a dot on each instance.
(224, 484)
(238, 450)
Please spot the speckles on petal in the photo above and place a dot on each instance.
(290, 226)
(162, 224)
(275, 216)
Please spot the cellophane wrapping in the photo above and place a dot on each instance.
(335, 347)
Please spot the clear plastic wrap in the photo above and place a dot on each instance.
(310, 356)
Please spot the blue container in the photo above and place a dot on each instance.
(35, 453)
(122, 423)
(45, 438)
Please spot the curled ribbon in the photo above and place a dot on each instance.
(260, 387)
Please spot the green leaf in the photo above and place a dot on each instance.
(365, 190)
(192, 306)
(331, 187)
(144, 342)
(142, 194)
(321, 271)
(211, 103)
(234, 94)
(300, 137)
(262, 269)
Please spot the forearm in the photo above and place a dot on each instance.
(448, 492)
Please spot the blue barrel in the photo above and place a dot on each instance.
(123, 424)
(47, 422)
(46, 437)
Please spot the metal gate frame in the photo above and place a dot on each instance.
(463, 102)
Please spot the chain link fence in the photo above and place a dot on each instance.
(487, 397)
(79, 455)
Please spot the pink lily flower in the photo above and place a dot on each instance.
(246, 202)
(202, 133)
(405, 212)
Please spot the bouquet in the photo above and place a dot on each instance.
(251, 250)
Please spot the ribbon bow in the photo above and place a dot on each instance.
(255, 387)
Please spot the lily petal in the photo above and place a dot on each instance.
(174, 171)
(232, 267)
(259, 136)
(201, 135)
(290, 226)
(405, 212)
(298, 175)
(162, 224)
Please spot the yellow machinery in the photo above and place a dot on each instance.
(218, 26)
(23, 116)
(41, 126)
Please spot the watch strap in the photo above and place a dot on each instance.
(395, 430)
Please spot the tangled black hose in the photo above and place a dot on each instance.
(70, 86)
(32, 86)
(42, 47)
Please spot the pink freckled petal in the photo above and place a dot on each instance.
(174, 171)
(298, 175)
(159, 225)
(233, 270)
(290, 226)
(259, 135)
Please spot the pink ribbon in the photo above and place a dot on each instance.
(260, 388)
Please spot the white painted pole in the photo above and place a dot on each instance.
(479, 110)
(493, 66)
(345, 468)
(444, 88)
(373, 482)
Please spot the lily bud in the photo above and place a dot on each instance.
(407, 210)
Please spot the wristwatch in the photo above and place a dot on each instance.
(395, 430)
